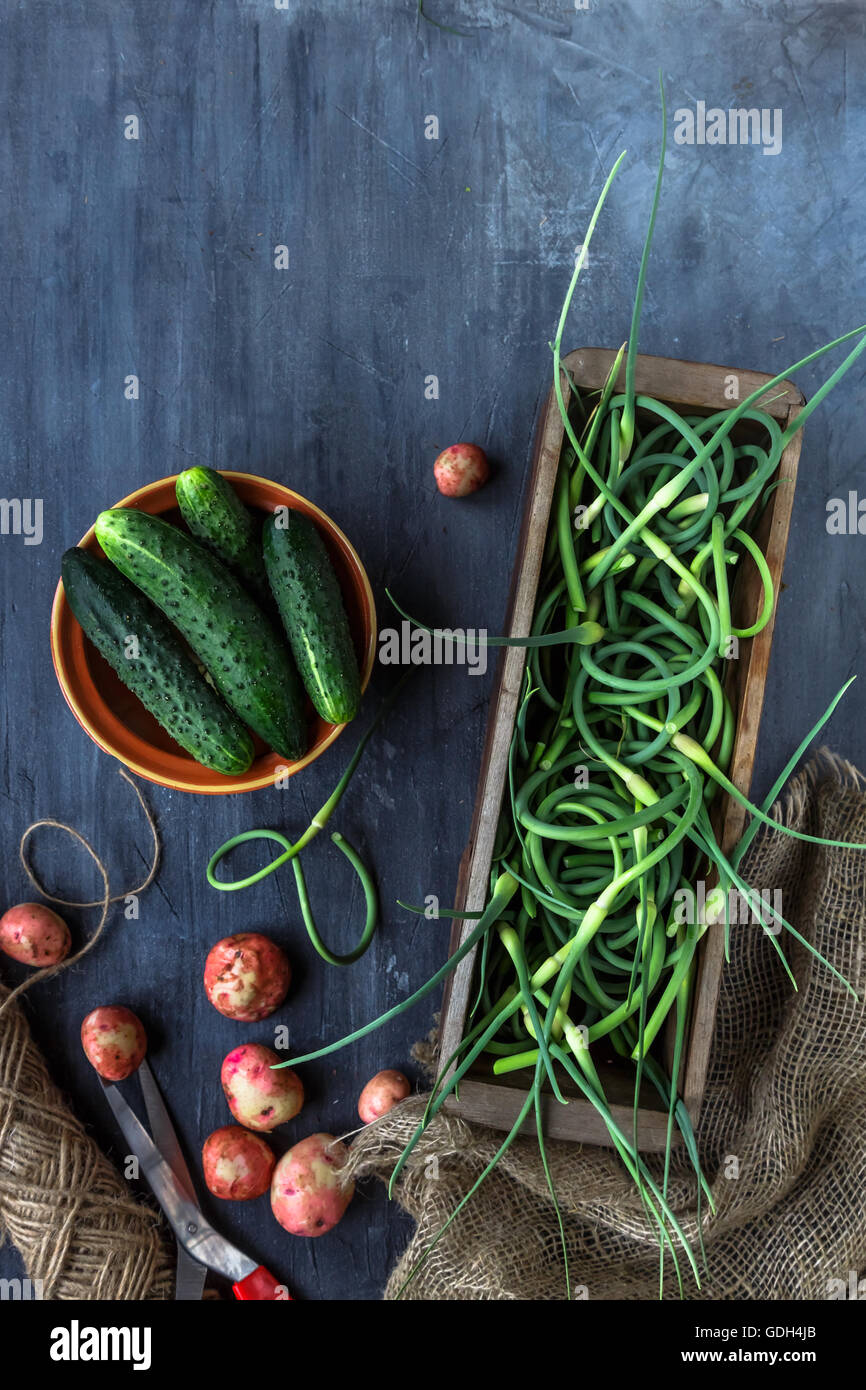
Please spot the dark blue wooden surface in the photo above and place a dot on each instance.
(304, 127)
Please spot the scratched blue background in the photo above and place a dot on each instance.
(305, 127)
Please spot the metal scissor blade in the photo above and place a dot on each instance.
(163, 1131)
(190, 1276)
(191, 1230)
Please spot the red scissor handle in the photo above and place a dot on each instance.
(263, 1286)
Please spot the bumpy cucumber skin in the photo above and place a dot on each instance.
(308, 596)
(218, 518)
(163, 675)
(230, 635)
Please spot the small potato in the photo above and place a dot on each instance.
(237, 1165)
(460, 470)
(381, 1094)
(307, 1196)
(246, 976)
(114, 1041)
(258, 1097)
(34, 935)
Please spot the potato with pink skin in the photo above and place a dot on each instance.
(114, 1041)
(308, 1197)
(460, 470)
(381, 1094)
(246, 977)
(34, 935)
(258, 1096)
(237, 1165)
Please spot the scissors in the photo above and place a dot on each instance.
(199, 1246)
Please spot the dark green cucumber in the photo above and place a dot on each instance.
(230, 635)
(218, 518)
(149, 657)
(308, 596)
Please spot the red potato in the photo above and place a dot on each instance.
(381, 1094)
(246, 977)
(237, 1165)
(461, 469)
(259, 1097)
(34, 935)
(114, 1041)
(307, 1195)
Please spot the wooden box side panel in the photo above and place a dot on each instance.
(472, 883)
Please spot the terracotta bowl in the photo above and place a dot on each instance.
(120, 724)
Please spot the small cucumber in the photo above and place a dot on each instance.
(230, 635)
(218, 518)
(308, 596)
(149, 657)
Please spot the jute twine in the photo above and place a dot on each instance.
(782, 1134)
(103, 903)
(72, 1218)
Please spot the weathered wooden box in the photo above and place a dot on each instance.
(701, 389)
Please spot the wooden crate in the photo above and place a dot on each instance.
(700, 389)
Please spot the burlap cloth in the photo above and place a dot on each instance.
(785, 1110)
